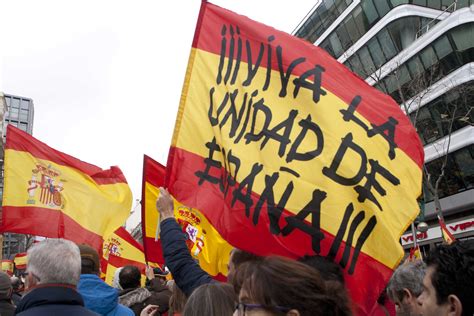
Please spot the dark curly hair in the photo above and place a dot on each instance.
(281, 282)
(454, 273)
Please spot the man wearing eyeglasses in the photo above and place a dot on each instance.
(53, 271)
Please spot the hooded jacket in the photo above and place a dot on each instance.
(100, 297)
(53, 299)
(137, 299)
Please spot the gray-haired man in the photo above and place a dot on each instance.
(53, 271)
(405, 286)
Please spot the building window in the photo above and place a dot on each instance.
(23, 115)
(15, 103)
(23, 126)
(25, 104)
(459, 173)
(433, 120)
(13, 113)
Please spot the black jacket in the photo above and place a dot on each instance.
(139, 298)
(53, 299)
(6, 307)
(186, 272)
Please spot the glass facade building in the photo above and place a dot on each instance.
(19, 113)
(421, 53)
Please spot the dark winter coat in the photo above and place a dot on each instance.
(6, 307)
(53, 299)
(187, 273)
(137, 299)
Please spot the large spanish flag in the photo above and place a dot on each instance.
(203, 241)
(51, 194)
(286, 152)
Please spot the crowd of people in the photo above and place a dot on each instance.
(63, 278)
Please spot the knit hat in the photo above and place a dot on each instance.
(5, 284)
(89, 258)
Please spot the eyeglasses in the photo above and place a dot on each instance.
(241, 308)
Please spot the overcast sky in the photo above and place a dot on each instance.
(106, 76)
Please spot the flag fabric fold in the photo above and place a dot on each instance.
(52, 194)
(287, 152)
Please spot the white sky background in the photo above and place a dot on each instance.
(106, 76)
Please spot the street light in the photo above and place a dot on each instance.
(422, 227)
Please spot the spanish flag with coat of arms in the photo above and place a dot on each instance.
(51, 194)
(205, 244)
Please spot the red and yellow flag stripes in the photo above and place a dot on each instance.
(7, 266)
(204, 242)
(153, 178)
(287, 152)
(121, 244)
(51, 194)
(20, 260)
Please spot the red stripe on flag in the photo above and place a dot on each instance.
(119, 262)
(125, 235)
(48, 223)
(155, 252)
(20, 141)
(153, 172)
(244, 233)
(375, 106)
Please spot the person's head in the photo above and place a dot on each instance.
(328, 269)
(281, 286)
(405, 286)
(130, 277)
(5, 286)
(177, 300)
(17, 285)
(160, 274)
(90, 263)
(447, 285)
(237, 257)
(212, 299)
(53, 261)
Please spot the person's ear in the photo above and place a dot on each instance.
(407, 294)
(293, 312)
(455, 306)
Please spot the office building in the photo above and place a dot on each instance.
(420, 52)
(19, 112)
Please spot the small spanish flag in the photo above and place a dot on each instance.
(7, 266)
(51, 194)
(447, 236)
(20, 260)
(415, 254)
(121, 244)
